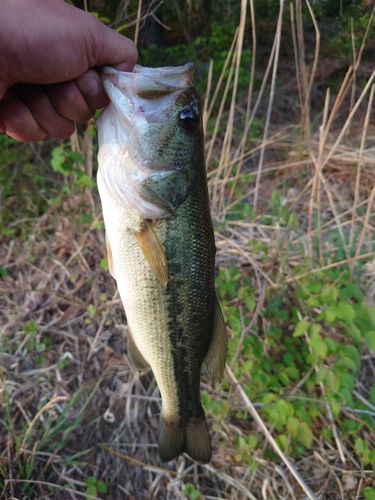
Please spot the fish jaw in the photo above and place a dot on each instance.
(140, 143)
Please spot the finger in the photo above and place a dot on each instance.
(40, 106)
(110, 48)
(18, 121)
(68, 100)
(91, 88)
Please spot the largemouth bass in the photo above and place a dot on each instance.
(160, 242)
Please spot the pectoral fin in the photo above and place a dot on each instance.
(110, 258)
(135, 356)
(153, 251)
(217, 352)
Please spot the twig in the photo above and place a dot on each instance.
(360, 160)
(98, 332)
(46, 407)
(324, 268)
(137, 22)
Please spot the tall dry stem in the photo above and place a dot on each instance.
(217, 89)
(137, 22)
(227, 145)
(241, 150)
(270, 103)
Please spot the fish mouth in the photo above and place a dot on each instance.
(143, 79)
(129, 91)
(135, 129)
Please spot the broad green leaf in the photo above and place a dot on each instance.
(315, 329)
(58, 159)
(331, 344)
(270, 397)
(314, 301)
(91, 490)
(332, 381)
(330, 314)
(75, 156)
(104, 263)
(263, 378)
(348, 400)
(313, 409)
(347, 362)
(282, 441)
(305, 435)
(321, 374)
(360, 445)
(301, 328)
(369, 493)
(242, 442)
(247, 366)
(250, 302)
(352, 352)
(101, 486)
(284, 408)
(370, 339)
(345, 312)
(293, 220)
(318, 346)
(284, 379)
(335, 407)
(329, 293)
(303, 415)
(370, 313)
(292, 425)
(253, 441)
(90, 480)
(292, 372)
(351, 290)
(355, 333)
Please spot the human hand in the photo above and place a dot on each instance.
(48, 51)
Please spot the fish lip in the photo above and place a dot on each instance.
(153, 72)
(166, 71)
(173, 78)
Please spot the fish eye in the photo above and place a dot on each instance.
(188, 119)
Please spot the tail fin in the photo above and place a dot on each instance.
(193, 439)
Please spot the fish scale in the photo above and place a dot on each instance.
(164, 266)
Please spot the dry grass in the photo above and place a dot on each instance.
(71, 405)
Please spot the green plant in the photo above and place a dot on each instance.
(191, 492)
(94, 485)
(319, 357)
(69, 164)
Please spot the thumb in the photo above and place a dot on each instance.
(107, 47)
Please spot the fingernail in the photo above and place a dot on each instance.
(88, 85)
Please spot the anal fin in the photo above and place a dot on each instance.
(111, 267)
(216, 356)
(135, 356)
(153, 251)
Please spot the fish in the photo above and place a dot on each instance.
(160, 242)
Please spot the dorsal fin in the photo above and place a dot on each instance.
(153, 251)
